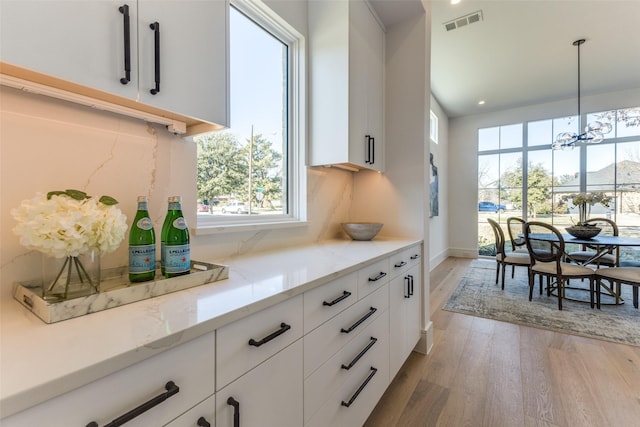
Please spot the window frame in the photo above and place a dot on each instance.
(433, 126)
(296, 176)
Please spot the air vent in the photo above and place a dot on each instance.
(462, 21)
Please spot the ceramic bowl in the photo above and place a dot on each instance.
(361, 230)
(583, 232)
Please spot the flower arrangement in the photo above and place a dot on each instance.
(68, 223)
(584, 201)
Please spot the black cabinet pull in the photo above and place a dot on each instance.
(378, 277)
(359, 390)
(345, 294)
(171, 388)
(362, 319)
(359, 356)
(372, 141)
(410, 285)
(202, 422)
(400, 264)
(407, 282)
(124, 9)
(156, 46)
(283, 328)
(416, 256)
(236, 411)
(367, 142)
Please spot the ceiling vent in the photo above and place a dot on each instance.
(462, 21)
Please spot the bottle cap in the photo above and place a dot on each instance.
(175, 199)
(142, 199)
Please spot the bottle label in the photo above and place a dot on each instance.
(180, 223)
(142, 258)
(178, 258)
(144, 224)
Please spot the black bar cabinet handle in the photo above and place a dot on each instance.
(345, 294)
(236, 411)
(359, 390)
(362, 319)
(283, 328)
(171, 388)
(367, 141)
(400, 264)
(124, 9)
(407, 291)
(156, 44)
(378, 277)
(372, 141)
(359, 356)
(410, 285)
(202, 422)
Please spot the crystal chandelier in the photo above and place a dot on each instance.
(593, 133)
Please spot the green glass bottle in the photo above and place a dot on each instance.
(142, 245)
(176, 254)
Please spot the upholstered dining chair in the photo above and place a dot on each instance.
(547, 251)
(504, 258)
(621, 275)
(611, 258)
(515, 227)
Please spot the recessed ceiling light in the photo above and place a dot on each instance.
(481, 102)
(455, 1)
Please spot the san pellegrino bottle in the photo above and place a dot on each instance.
(142, 245)
(176, 254)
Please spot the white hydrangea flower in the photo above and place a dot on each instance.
(62, 226)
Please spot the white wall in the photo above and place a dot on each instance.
(463, 136)
(439, 225)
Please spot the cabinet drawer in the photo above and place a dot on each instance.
(361, 391)
(329, 378)
(245, 343)
(402, 261)
(373, 277)
(324, 302)
(190, 366)
(326, 340)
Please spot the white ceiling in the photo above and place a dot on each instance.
(521, 53)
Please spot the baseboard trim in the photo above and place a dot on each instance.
(463, 253)
(425, 343)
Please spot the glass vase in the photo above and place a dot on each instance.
(71, 277)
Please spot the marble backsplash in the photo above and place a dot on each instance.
(47, 144)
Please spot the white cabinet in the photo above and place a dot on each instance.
(404, 308)
(346, 84)
(91, 44)
(180, 378)
(268, 395)
(201, 415)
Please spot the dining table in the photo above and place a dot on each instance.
(600, 244)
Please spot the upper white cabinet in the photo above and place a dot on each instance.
(346, 43)
(126, 48)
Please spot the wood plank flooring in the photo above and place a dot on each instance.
(482, 372)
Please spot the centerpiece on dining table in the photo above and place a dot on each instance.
(584, 201)
(72, 230)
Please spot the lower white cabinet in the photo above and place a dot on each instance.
(404, 311)
(201, 415)
(270, 395)
(184, 375)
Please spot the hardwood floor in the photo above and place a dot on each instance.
(482, 372)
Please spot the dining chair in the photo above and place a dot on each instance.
(547, 251)
(611, 258)
(504, 258)
(515, 226)
(622, 276)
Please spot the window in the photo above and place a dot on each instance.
(519, 174)
(433, 126)
(253, 172)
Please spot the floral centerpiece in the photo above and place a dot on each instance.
(584, 202)
(65, 225)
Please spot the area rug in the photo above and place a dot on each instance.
(478, 295)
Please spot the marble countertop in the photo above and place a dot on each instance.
(39, 361)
